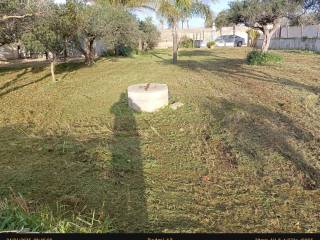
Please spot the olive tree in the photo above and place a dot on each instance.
(149, 34)
(222, 20)
(16, 16)
(107, 22)
(45, 36)
(122, 32)
(11, 31)
(67, 23)
(263, 15)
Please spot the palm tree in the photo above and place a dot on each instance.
(173, 11)
(177, 10)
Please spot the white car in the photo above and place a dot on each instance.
(230, 41)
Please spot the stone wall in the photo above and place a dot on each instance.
(195, 33)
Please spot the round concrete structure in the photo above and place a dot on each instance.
(148, 97)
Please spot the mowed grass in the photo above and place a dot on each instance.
(242, 154)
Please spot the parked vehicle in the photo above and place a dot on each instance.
(230, 41)
(200, 43)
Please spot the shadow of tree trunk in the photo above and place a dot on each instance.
(256, 131)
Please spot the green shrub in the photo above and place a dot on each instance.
(122, 50)
(260, 58)
(211, 44)
(186, 42)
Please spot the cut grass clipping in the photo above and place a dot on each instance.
(260, 58)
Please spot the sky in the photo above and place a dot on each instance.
(216, 7)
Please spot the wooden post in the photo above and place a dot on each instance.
(280, 32)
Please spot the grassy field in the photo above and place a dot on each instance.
(242, 154)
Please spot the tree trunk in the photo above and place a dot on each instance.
(266, 41)
(89, 53)
(65, 52)
(141, 45)
(92, 51)
(268, 33)
(86, 58)
(175, 43)
(52, 67)
(117, 50)
(19, 51)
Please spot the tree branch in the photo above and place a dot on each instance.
(5, 18)
(255, 26)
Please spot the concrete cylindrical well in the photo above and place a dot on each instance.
(148, 97)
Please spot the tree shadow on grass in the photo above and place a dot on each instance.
(18, 83)
(69, 67)
(11, 86)
(13, 81)
(257, 131)
(200, 53)
(234, 69)
(158, 56)
(40, 65)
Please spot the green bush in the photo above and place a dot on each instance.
(186, 42)
(122, 50)
(260, 58)
(211, 44)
